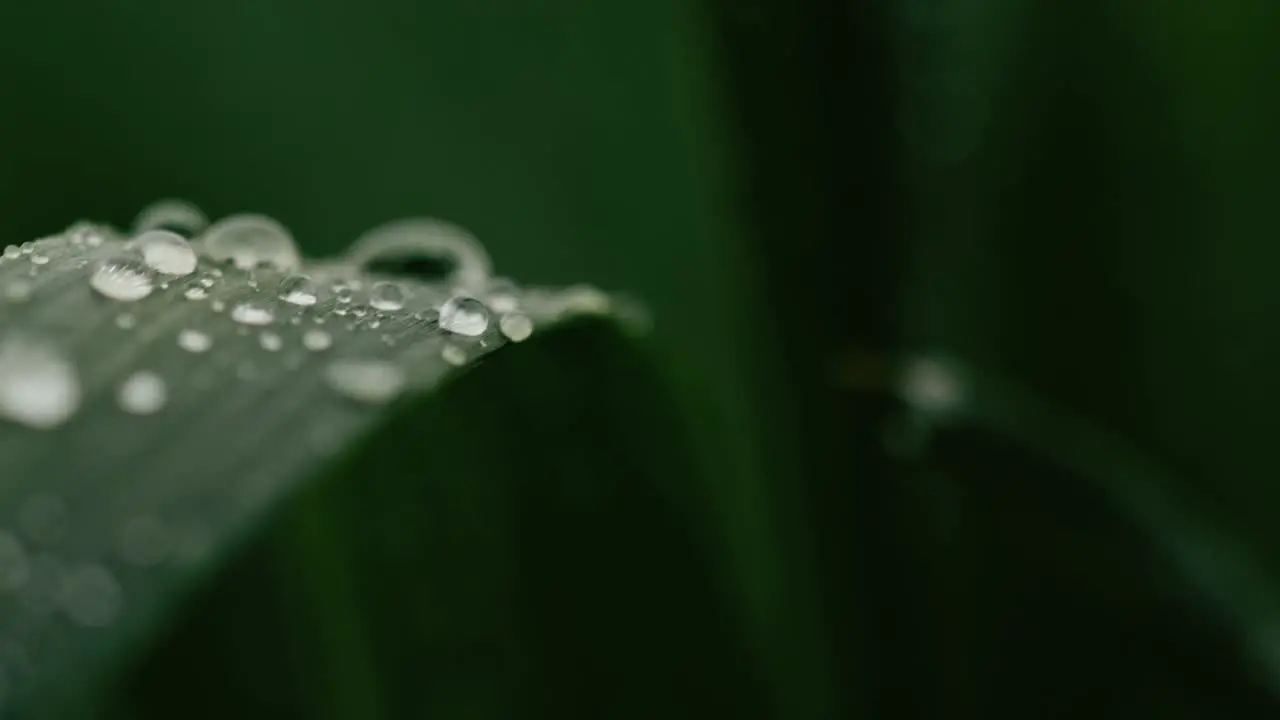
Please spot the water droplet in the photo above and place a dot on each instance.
(126, 321)
(453, 355)
(177, 216)
(464, 315)
(11, 251)
(207, 281)
(18, 291)
(143, 393)
(217, 306)
(39, 387)
(124, 278)
(249, 313)
(14, 567)
(343, 292)
(252, 240)
(366, 381)
(87, 233)
(516, 327)
(194, 341)
(165, 252)
(317, 340)
(298, 290)
(270, 341)
(359, 311)
(424, 239)
(195, 292)
(91, 596)
(39, 259)
(387, 296)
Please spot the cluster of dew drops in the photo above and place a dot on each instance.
(172, 247)
(40, 387)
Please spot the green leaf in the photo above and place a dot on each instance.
(111, 509)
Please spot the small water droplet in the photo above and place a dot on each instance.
(516, 326)
(217, 306)
(143, 393)
(343, 292)
(39, 259)
(249, 313)
(126, 321)
(123, 277)
(359, 311)
(252, 240)
(165, 252)
(14, 567)
(91, 596)
(317, 340)
(18, 291)
(177, 216)
(298, 290)
(207, 281)
(464, 315)
(194, 341)
(39, 386)
(195, 292)
(270, 341)
(366, 381)
(387, 296)
(453, 355)
(12, 251)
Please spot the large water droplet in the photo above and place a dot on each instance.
(250, 313)
(39, 387)
(194, 341)
(298, 290)
(143, 393)
(317, 340)
(464, 315)
(165, 252)
(123, 277)
(516, 326)
(177, 216)
(387, 296)
(366, 381)
(252, 240)
(403, 241)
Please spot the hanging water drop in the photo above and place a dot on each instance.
(317, 340)
(516, 326)
(366, 381)
(298, 290)
(143, 393)
(194, 340)
(122, 277)
(249, 313)
(252, 240)
(387, 296)
(39, 386)
(464, 315)
(165, 252)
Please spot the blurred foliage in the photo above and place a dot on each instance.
(1071, 194)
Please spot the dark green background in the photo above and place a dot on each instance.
(1077, 196)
